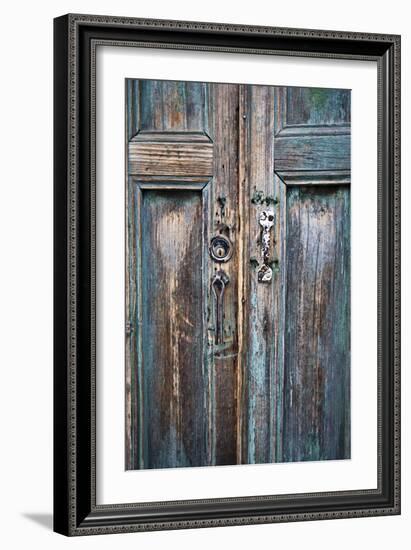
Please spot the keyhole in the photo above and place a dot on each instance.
(220, 249)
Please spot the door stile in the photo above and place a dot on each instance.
(243, 271)
(208, 359)
(129, 447)
(133, 397)
(136, 315)
(225, 223)
(280, 281)
(280, 289)
(260, 369)
(207, 274)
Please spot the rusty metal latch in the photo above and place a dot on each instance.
(218, 284)
(265, 273)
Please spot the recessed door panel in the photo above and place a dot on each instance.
(172, 328)
(317, 315)
(318, 107)
(173, 106)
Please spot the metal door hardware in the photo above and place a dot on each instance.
(218, 284)
(265, 273)
(220, 249)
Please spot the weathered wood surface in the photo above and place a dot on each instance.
(317, 107)
(167, 394)
(172, 344)
(224, 220)
(170, 137)
(312, 152)
(173, 327)
(173, 106)
(170, 159)
(315, 177)
(259, 380)
(277, 387)
(312, 157)
(317, 313)
(312, 129)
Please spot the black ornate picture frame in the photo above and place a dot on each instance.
(76, 38)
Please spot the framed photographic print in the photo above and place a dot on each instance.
(226, 275)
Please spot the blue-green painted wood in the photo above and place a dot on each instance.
(317, 332)
(260, 376)
(318, 106)
(201, 405)
(277, 389)
(313, 139)
(312, 152)
(222, 220)
(167, 386)
(171, 329)
(172, 106)
(132, 107)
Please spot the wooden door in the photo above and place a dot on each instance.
(237, 328)
(312, 166)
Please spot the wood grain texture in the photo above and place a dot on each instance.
(312, 129)
(313, 159)
(132, 91)
(170, 159)
(315, 177)
(317, 341)
(167, 408)
(172, 344)
(268, 380)
(318, 106)
(224, 220)
(166, 137)
(280, 285)
(307, 152)
(260, 376)
(173, 106)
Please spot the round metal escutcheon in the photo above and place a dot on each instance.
(220, 249)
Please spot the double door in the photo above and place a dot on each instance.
(237, 274)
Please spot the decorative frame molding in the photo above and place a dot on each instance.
(75, 42)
